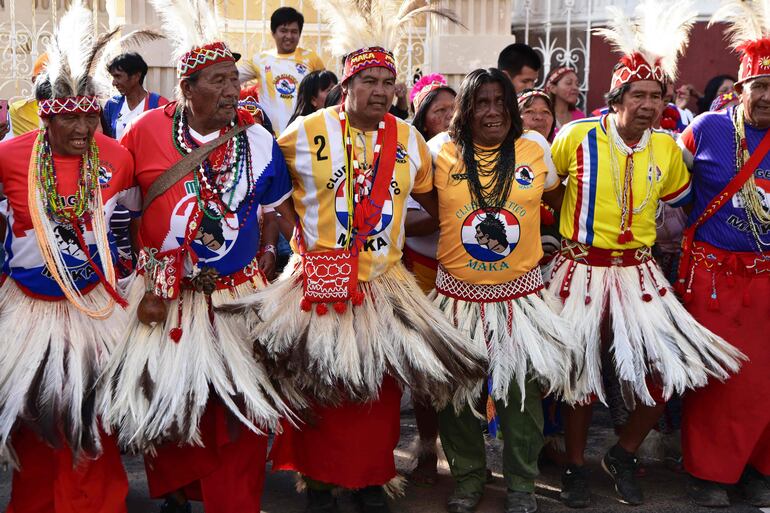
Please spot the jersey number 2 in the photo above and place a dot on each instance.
(321, 142)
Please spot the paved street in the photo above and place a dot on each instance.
(664, 489)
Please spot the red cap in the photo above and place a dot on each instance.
(203, 57)
(755, 61)
(365, 58)
(635, 68)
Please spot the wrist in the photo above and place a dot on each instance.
(270, 248)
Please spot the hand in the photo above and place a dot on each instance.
(267, 264)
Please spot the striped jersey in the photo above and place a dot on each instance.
(591, 211)
(472, 246)
(279, 76)
(708, 145)
(315, 155)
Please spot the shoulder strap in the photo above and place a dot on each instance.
(189, 162)
(730, 190)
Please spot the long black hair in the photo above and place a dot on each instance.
(422, 112)
(493, 195)
(710, 92)
(309, 88)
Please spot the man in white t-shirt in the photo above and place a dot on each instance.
(128, 71)
(280, 70)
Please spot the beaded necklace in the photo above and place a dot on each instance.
(752, 204)
(88, 180)
(358, 179)
(623, 187)
(214, 181)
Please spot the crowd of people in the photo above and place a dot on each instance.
(281, 251)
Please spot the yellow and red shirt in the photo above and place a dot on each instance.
(590, 212)
(279, 75)
(478, 250)
(315, 155)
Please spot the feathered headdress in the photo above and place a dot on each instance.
(70, 80)
(424, 87)
(367, 32)
(191, 27)
(749, 33)
(652, 43)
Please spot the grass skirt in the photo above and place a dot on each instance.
(155, 390)
(344, 356)
(51, 355)
(653, 336)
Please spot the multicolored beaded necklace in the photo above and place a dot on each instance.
(216, 180)
(88, 181)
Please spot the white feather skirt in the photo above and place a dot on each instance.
(51, 355)
(340, 356)
(155, 390)
(524, 336)
(652, 333)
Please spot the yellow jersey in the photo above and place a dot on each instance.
(315, 155)
(482, 249)
(23, 116)
(591, 211)
(279, 75)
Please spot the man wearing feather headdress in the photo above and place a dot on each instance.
(617, 170)
(346, 321)
(58, 314)
(185, 383)
(725, 271)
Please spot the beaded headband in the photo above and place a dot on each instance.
(521, 98)
(203, 57)
(68, 105)
(557, 75)
(635, 68)
(365, 58)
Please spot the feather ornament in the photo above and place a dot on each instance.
(659, 39)
(748, 21)
(68, 51)
(188, 24)
(363, 23)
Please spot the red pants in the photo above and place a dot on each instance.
(349, 446)
(227, 473)
(726, 426)
(48, 482)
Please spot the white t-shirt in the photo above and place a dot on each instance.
(126, 115)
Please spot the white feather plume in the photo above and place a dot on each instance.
(660, 31)
(748, 20)
(69, 49)
(187, 24)
(362, 23)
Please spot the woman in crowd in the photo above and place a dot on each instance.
(563, 86)
(718, 85)
(312, 92)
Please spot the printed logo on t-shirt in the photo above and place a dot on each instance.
(301, 68)
(105, 173)
(490, 236)
(341, 208)
(401, 154)
(214, 238)
(286, 85)
(762, 195)
(524, 176)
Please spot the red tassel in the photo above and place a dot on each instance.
(662, 291)
(357, 298)
(175, 334)
(626, 236)
(588, 299)
(305, 305)
(646, 297)
(340, 307)
(564, 293)
(713, 304)
(321, 309)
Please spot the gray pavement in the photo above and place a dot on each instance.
(663, 488)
